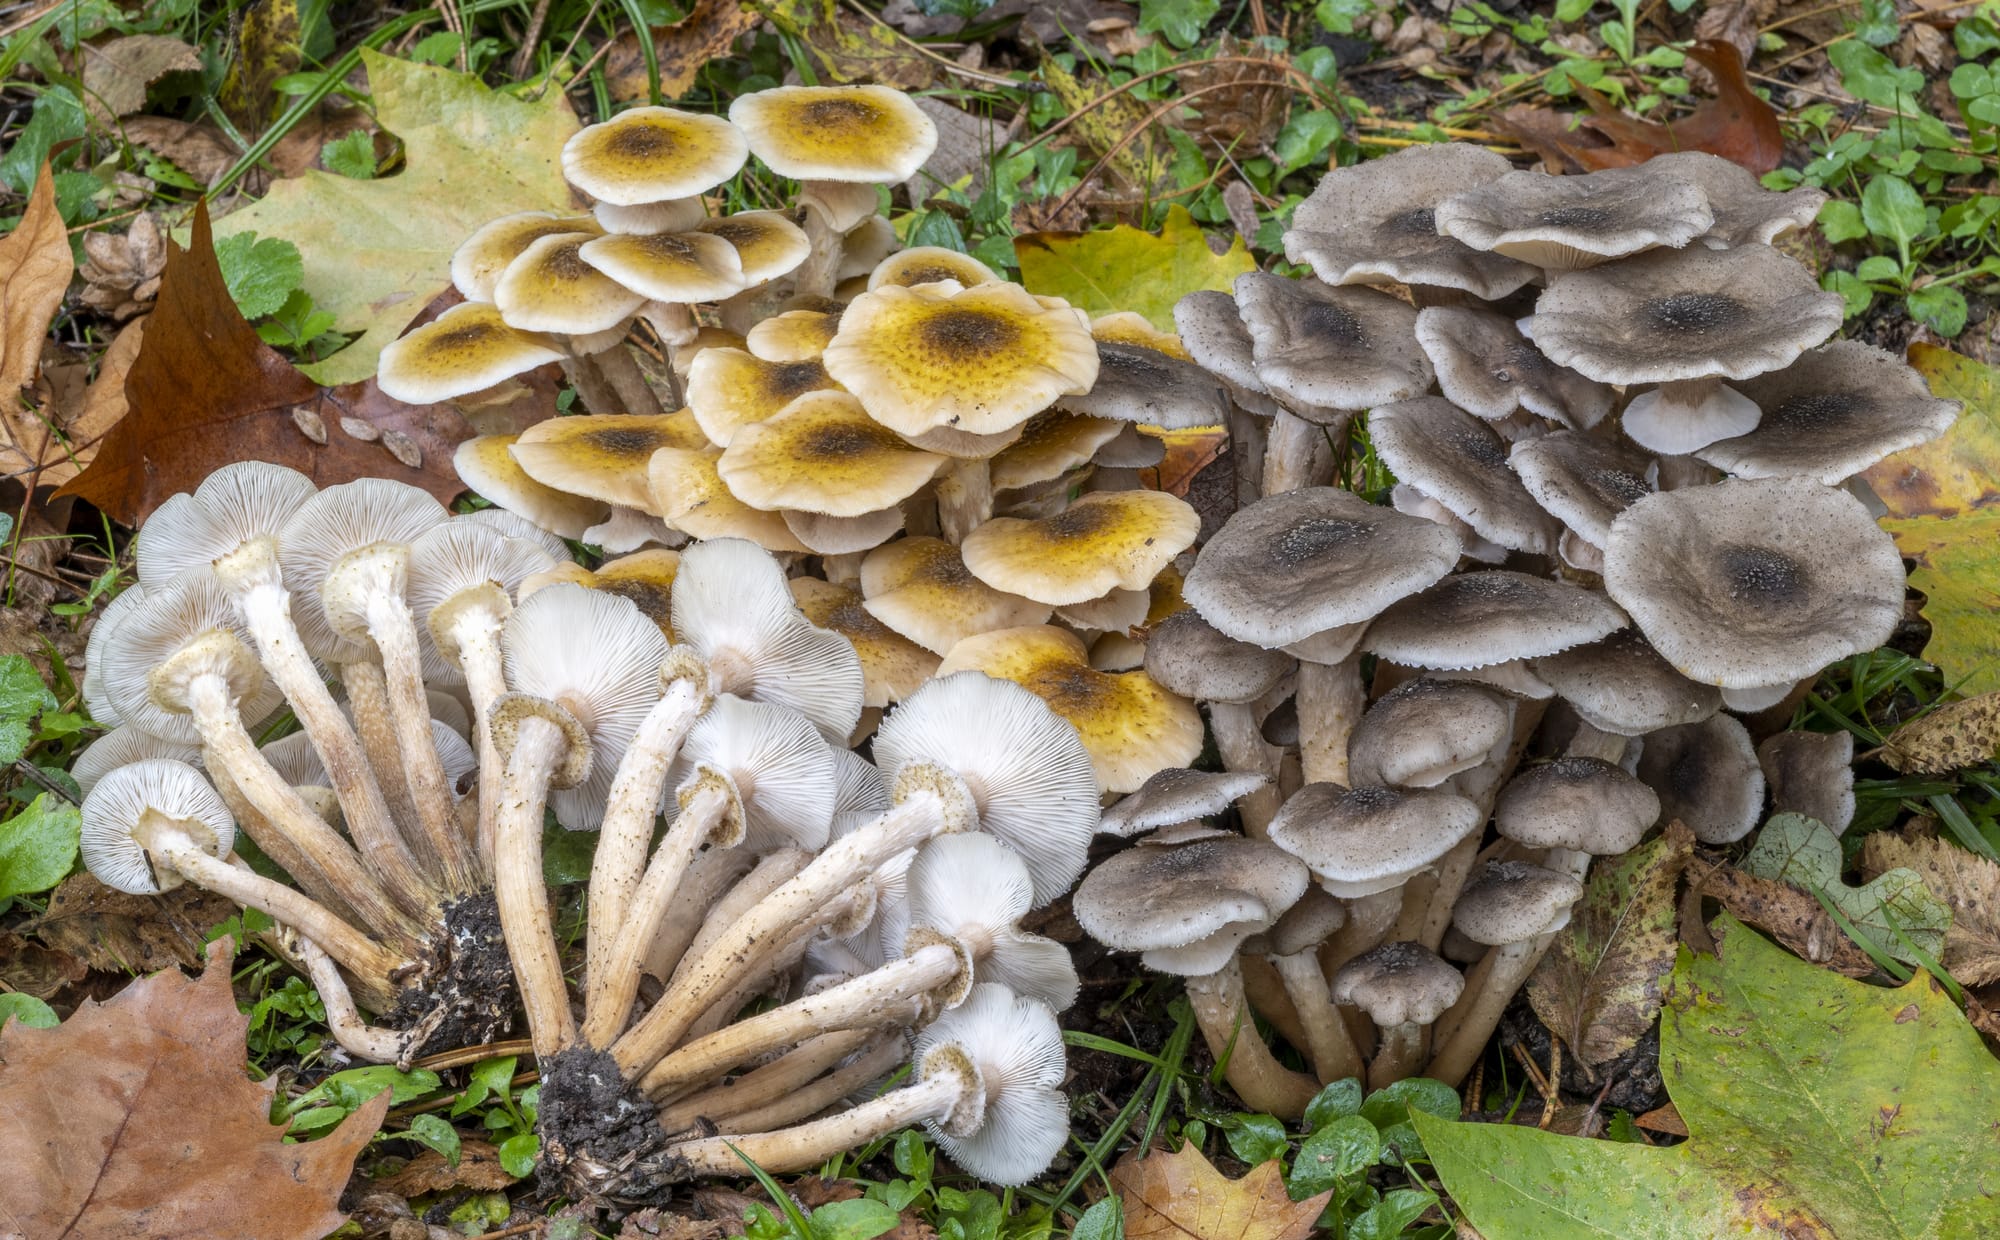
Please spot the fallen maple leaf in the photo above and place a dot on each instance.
(680, 50)
(1125, 268)
(134, 1118)
(1180, 1195)
(1969, 884)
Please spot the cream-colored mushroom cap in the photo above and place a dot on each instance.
(921, 588)
(487, 465)
(651, 154)
(549, 288)
(677, 268)
(767, 244)
(1051, 444)
(1104, 541)
(982, 359)
(823, 453)
(892, 666)
(728, 389)
(690, 495)
(793, 335)
(477, 263)
(836, 133)
(928, 264)
(603, 456)
(1132, 727)
(465, 349)
(830, 535)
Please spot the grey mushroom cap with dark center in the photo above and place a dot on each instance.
(1836, 411)
(1399, 984)
(1177, 795)
(1211, 330)
(1745, 212)
(1512, 901)
(1488, 368)
(1748, 583)
(1188, 906)
(1621, 685)
(1565, 223)
(1424, 731)
(1478, 619)
(1321, 350)
(1582, 804)
(1461, 462)
(1706, 775)
(1300, 563)
(1358, 841)
(1187, 655)
(1137, 384)
(1375, 223)
(1582, 480)
(1811, 773)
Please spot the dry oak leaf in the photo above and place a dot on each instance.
(705, 34)
(1181, 1196)
(1950, 738)
(1969, 884)
(35, 267)
(1788, 914)
(134, 1118)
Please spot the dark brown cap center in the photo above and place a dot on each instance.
(968, 334)
(1694, 314)
(650, 597)
(1315, 537)
(1763, 577)
(1077, 522)
(837, 441)
(1574, 217)
(1812, 411)
(641, 142)
(1419, 222)
(1326, 321)
(624, 441)
(839, 115)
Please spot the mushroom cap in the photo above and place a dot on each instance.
(1189, 656)
(1210, 893)
(1136, 383)
(1513, 901)
(1375, 223)
(645, 578)
(1399, 984)
(463, 560)
(1488, 368)
(1748, 583)
(466, 349)
(550, 288)
(827, 535)
(1297, 564)
(1684, 314)
(1016, 1047)
(921, 588)
(486, 464)
(1745, 212)
(836, 133)
(973, 888)
(673, 267)
(1359, 841)
(1130, 725)
(1131, 327)
(159, 788)
(1461, 462)
(1052, 443)
(239, 502)
(1584, 804)
(930, 264)
(604, 455)
(1320, 347)
(1810, 773)
(823, 453)
(1176, 795)
(672, 215)
(1424, 731)
(480, 258)
(1576, 221)
(1583, 481)
(1836, 411)
(892, 666)
(689, 493)
(793, 335)
(513, 524)
(323, 530)
(779, 765)
(981, 359)
(1477, 619)
(1706, 775)
(1104, 541)
(1305, 925)
(1211, 330)
(122, 746)
(1025, 766)
(767, 243)
(1117, 612)
(1621, 685)
(645, 155)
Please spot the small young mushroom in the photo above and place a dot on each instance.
(1462, 463)
(549, 288)
(486, 464)
(1292, 945)
(1577, 808)
(929, 264)
(822, 453)
(1403, 988)
(1583, 481)
(468, 348)
(603, 456)
(1101, 542)
(1706, 775)
(1810, 773)
(650, 158)
(1424, 731)
(479, 261)
(1487, 368)
(729, 389)
(1178, 795)
(1621, 685)
(691, 497)
(1515, 908)
(1187, 655)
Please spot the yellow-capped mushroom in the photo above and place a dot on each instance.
(689, 495)
(823, 453)
(928, 264)
(920, 588)
(645, 577)
(604, 456)
(728, 389)
(465, 349)
(1104, 541)
(892, 666)
(648, 155)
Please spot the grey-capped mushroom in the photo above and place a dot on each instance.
(1461, 462)
(1424, 731)
(1488, 368)
(1185, 654)
(1292, 946)
(1324, 351)
(1177, 795)
(1581, 807)
(1623, 686)
(1811, 773)
(1476, 619)
(1515, 909)
(1745, 212)
(1137, 384)
(1706, 775)
(1574, 222)
(1582, 480)
(1403, 987)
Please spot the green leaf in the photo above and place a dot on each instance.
(1940, 305)
(1870, 76)
(435, 1133)
(1387, 1218)
(1304, 139)
(518, 1154)
(260, 274)
(1103, 1221)
(1337, 1101)
(859, 1219)
(1342, 1150)
(23, 697)
(1878, 267)
(1815, 1105)
(58, 117)
(1855, 293)
(1806, 853)
(1123, 268)
(1342, 16)
(362, 1084)
(1570, 10)
(350, 155)
(1180, 21)
(1390, 1107)
(489, 1078)
(566, 855)
(1257, 1138)
(26, 1009)
(38, 846)
(1894, 211)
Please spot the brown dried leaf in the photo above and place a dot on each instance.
(1950, 738)
(1789, 915)
(851, 49)
(35, 267)
(120, 933)
(1735, 22)
(1969, 884)
(659, 1225)
(1663, 1119)
(117, 73)
(204, 152)
(1181, 1196)
(478, 1168)
(708, 31)
(32, 969)
(134, 1118)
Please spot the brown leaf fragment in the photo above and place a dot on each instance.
(35, 267)
(653, 1224)
(1181, 1196)
(119, 933)
(706, 33)
(118, 72)
(1663, 1119)
(1787, 914)
(134, 1118)
(1954, 736)
(478, 1168)
(1969, 884)
(1735, 124)
(33, 969)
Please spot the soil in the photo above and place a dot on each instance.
(600, 1135)
(467, 995)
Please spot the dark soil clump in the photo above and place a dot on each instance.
(466, 997)
(600, 1135)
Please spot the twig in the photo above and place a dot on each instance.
(473, 1054)
(536, 21)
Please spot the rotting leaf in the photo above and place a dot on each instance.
(478, 1168)
(1189, 452)
(118, 72)
(1125, 268)
(35, 269)
(1181, 1196)
(1969, 885)
(1953, 736)
(116, 932)
(1787, 914)
(134, 1118)
(267, 48)
(848, 49)
(1889, 909)
(30, 968)
(706, 33)
(1599, 988)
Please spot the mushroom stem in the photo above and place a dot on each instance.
(1296, 455)
(520, 889)
(1259, 1080)
(964, 498)
(1481, 785)
(1242, 747)
(816, 276)
(760, 981)
(1397, 1055)
(768, 873)
(879, 1060)
(1269, 1000)
(279, 847)
(1428, 896)
(1247, 445)
(1329, 700)
(768, 1082)
(1475, 979)
(1334, 1055)
(476, 632)
(394, 632)
(593, 390)
(1369, 920)
(281, 903)
(808, 1145)
(1589, 742)
(368, 700)
(357, 1037)
(1478, 1010)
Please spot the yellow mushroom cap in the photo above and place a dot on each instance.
(465, 349)
(928, 264)
(920, 588)
(604, 455)
(1104, 541)
(691, 496)
(836, 133)
(1052, 443)
(487, 465)
(823, 453)
(892, 666)
(793, 335)
(1131, 327)
(677, 268)
(650, 154)
(477, 263)
(1132, 728)
(767, 244)
(645, 577)
(982, 359)
(728, 389)
(549, 288)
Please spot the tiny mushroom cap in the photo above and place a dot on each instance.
(95, 698)
(645, 578)
(603, 456)
(1621, 685)
(1424, 731)
(676, 268)
(1706, 775)
(973, 888)
(1323, 348)
(550, 288)
(1358, 841)
(1745, 212)
(779, 771)
(1513, 901)
(466, 349)
(827, 535)
(237, 504)
(823, 453)
(690, 495)
(477, 263)
(1188, 907)
(1810, 773)
(921, 588)
(1139, 384)
(1836, 411)
(1189, 656)
(768, 245)
(1478, 619)
(1015, 1047)
(870, 134)
(130, 802)
(929, 264)
(728, 389)
(1582, 480)
(486, 464)
(1486, 367)
(1212, 332)
(982, 359)
(1564, 223)
(1582, 804)
(1131, 726)
(795, 335)
(1052, 443)
(1399, 983)
(1461, 462)
(1176, 795)
(122, 746)
(1748, 583)
(1297, 564)
(1104, 541)
(1026, 768)
(673, 215)
(892, 666)
(1375, 223)
(646, 155)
